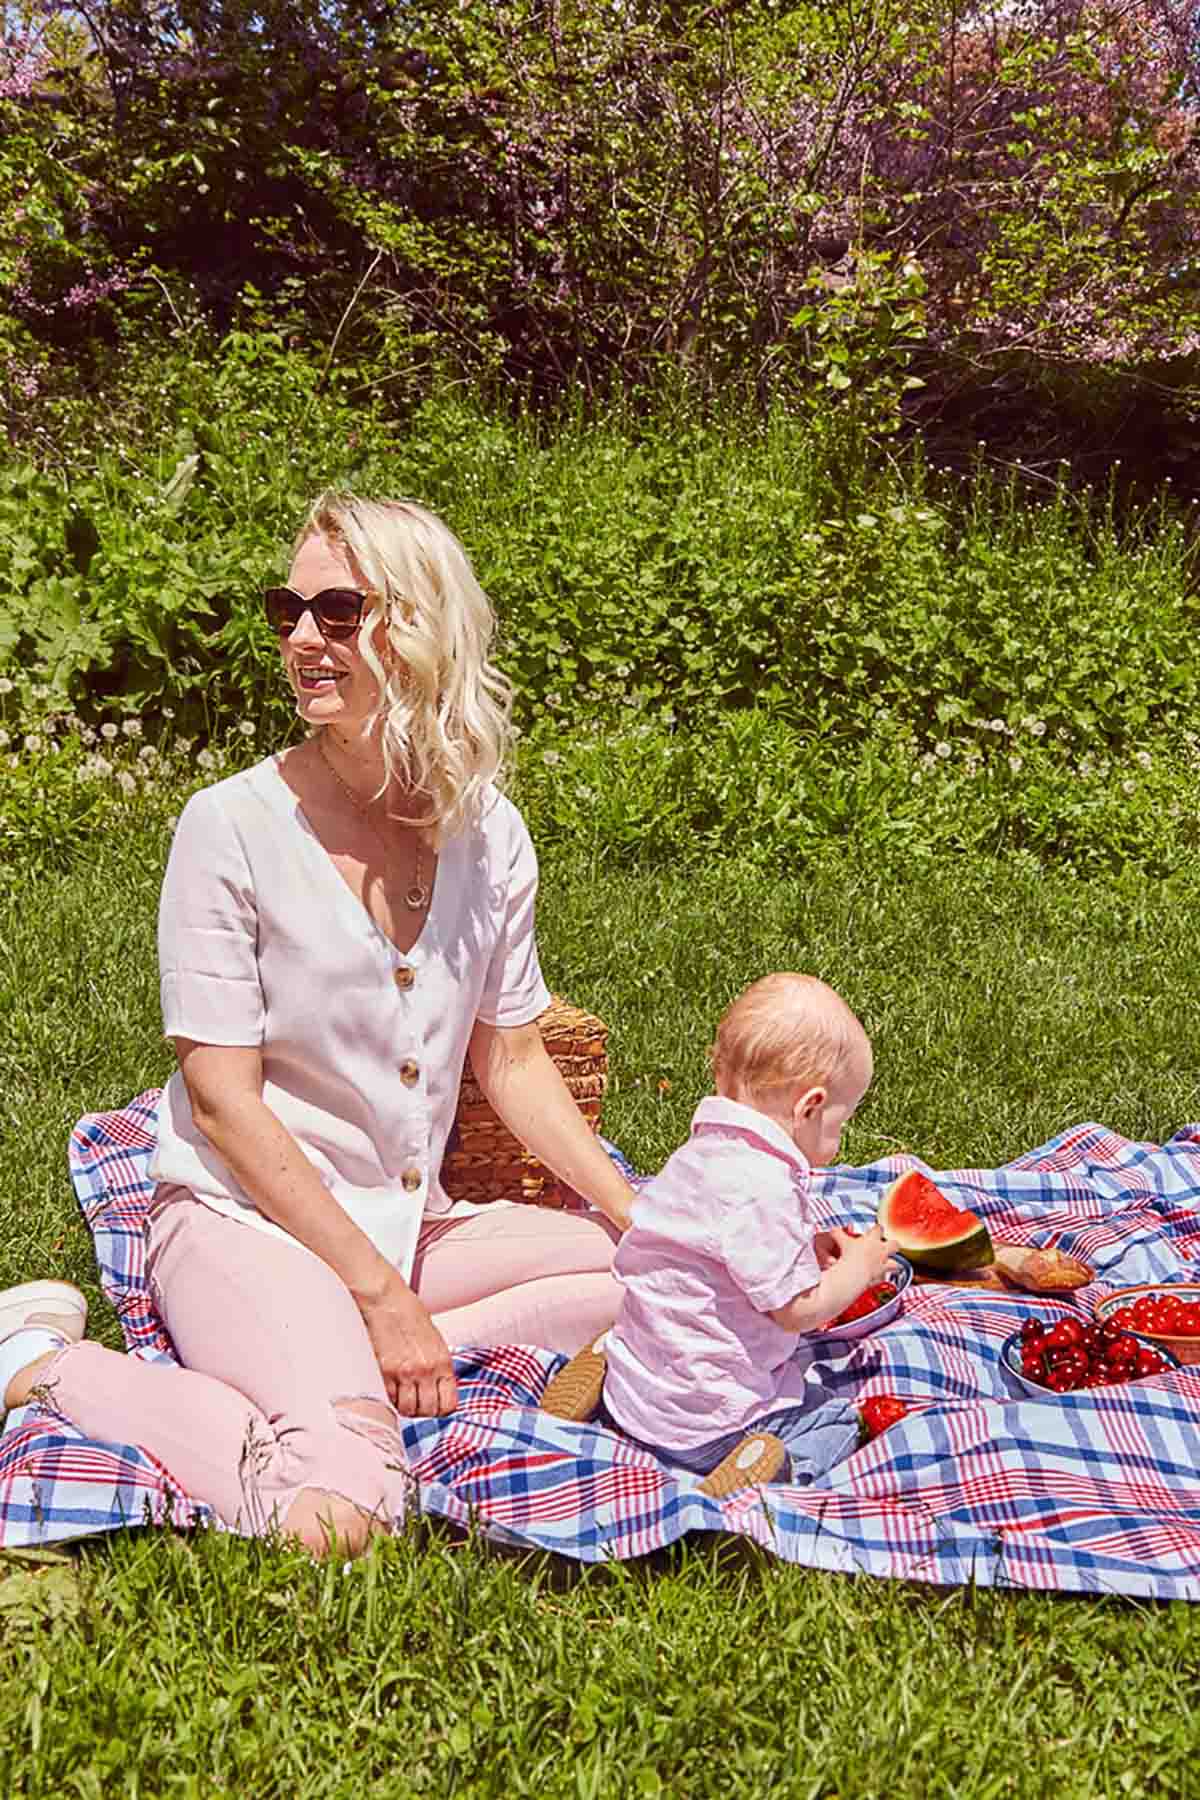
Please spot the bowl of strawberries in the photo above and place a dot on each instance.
(1072, 1354)
(875, 1306)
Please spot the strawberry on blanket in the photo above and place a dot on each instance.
(878, 1412)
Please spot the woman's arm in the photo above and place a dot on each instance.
(520, 1079)
(224, 1086)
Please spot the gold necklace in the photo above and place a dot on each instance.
(416, 897)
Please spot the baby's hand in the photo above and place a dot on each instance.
(828, 1245)
(869, 1254)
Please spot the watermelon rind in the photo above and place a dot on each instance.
(969, 1247)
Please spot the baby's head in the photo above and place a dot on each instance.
(791, 1048)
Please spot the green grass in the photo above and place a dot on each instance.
(1004, 1004)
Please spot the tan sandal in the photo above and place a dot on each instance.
(756, 1460)
(574, 1393)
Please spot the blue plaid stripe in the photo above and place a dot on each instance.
(1097, 1493)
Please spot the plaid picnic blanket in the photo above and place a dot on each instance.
(1093, 1493)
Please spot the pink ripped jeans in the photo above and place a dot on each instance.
(279, 1416)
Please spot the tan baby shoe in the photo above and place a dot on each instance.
(574, 1393)
(756, 1460)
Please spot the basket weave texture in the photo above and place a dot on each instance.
(487, 1162)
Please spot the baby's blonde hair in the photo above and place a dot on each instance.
(444, 707)
(785, 1029)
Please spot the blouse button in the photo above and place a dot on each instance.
(409, 1072)
(404, 976)
(410, 1180)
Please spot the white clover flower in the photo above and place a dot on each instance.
(132, 728)
(929, 761)
(168, 712)
(997, 725)
(550, 757)
(1016, 764)
(1129, 787)
(1143, 759)
(943, 750)
(1037, 727)
(206, 760)
(33, 743)
(183, 745)
(6, 686)
(246, 728)
(88, 735)
(147, 754)
(99, 765)
(915, 777)
(108, 730)
(126, 782)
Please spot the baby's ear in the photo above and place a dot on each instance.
(809, 1101)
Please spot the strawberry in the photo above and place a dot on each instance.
(879, 1411)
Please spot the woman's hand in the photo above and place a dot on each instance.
(417, 1371)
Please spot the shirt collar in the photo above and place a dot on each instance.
(729, 1118)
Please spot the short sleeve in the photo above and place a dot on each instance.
(765, 1240)
(514, 991)
(208, 932)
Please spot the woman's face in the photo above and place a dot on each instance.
(330, 678)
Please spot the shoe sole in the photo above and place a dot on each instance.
(756, 1460)
(574, 1393)
(58, 1298)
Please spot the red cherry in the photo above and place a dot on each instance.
(1066, 1335)
(1032, 1331)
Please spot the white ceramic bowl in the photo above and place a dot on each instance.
(1010, 1362)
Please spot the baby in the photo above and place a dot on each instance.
(723, 1267)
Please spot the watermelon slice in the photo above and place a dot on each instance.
(930, 1232)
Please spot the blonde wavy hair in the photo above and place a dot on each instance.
(444, 710)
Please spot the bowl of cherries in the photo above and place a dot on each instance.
(1073, 1354)
(1169, 1316)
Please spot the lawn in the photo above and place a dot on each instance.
(1005, 1002)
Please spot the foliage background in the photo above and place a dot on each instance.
(981, 218)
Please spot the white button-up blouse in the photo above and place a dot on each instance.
(261, 943)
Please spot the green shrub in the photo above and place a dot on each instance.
(666, 568)
(755, 789)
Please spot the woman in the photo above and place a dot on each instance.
(339, 927)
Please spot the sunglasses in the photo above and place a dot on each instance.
(337, 611)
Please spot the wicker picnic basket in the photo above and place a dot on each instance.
(485, 1161)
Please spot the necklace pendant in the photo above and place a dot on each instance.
(416, 897)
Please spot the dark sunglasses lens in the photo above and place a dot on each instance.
(283, 609)
(338, 611)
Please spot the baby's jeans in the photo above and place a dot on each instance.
(817, 1438)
